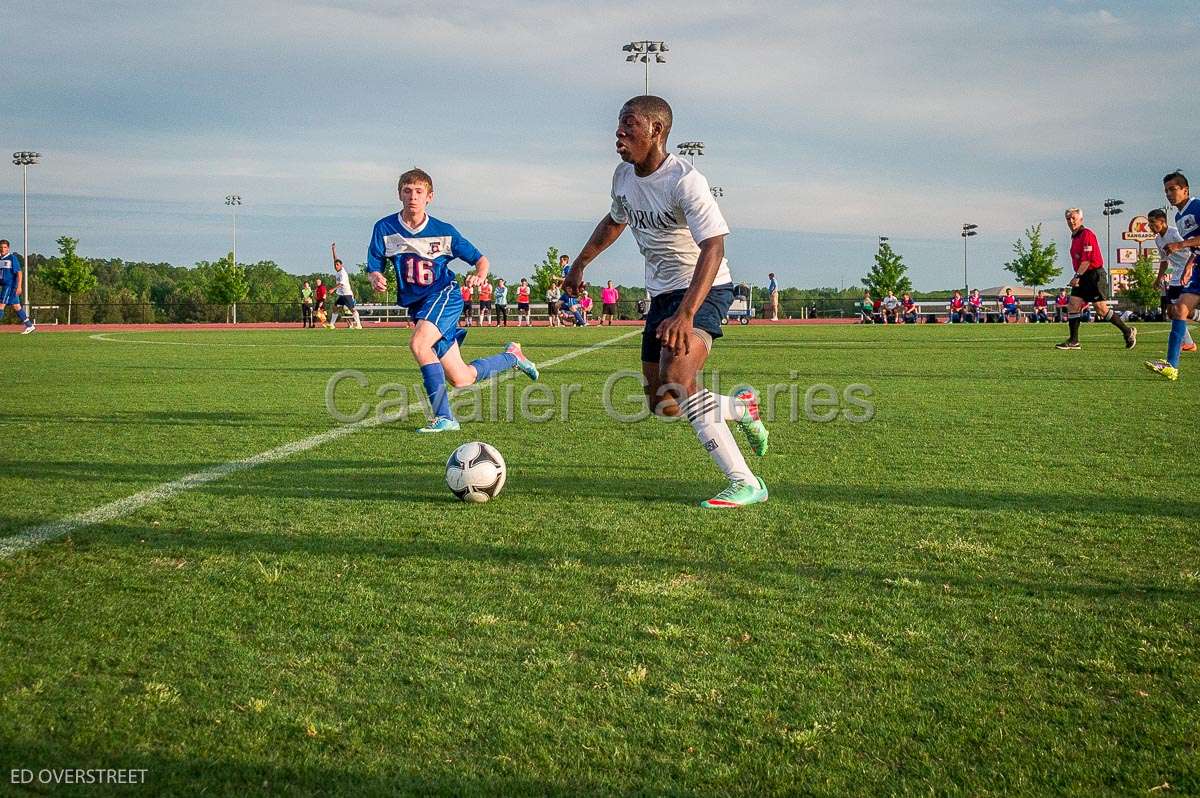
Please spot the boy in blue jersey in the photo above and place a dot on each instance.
(419, 248)
(1187, 222)
(11, 285)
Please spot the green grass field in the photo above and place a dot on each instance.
(991, 587)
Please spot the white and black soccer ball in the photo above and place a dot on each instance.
(476, 472)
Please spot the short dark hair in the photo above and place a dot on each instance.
(1176, 176)
(1157, 213)
(415, 175)
(654, 107)
(338, 262)
(564, 257)
(5, 241)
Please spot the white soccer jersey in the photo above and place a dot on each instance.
(342, 286)
(1176, 260)
(670, 213)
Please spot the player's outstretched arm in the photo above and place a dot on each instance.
(606, 232)
(675, 332)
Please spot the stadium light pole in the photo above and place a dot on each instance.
(691, 149)
(26, 159)
(968, 230)
(1112, 207)
(233, 201)
(645, 52)
(717, 192)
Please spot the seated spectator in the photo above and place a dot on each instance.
(866, 309)
(975, 307)
(1010, 308)
(956, 308)
(1041, 312)
(909, 309)
(891, 307)
(877, 311)
(1060, 305)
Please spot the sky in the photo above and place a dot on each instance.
(826, 125)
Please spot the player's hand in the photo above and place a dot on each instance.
(378, 282)
(675, 333)
(475, 279)
(17, 290)
(1173, 247)
(573, 282)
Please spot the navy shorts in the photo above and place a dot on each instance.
(708, 318)
(346, 301)
(442, 310)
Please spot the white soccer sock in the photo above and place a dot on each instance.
(356, 319)
(333, 321)
(715, 436)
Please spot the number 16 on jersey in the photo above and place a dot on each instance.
(417, 271)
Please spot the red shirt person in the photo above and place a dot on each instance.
(1089, 284)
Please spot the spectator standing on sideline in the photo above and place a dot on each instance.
(585, 306)
(306, 305)
(466, 300)
(564, 264)
(552, 296)
(485, 303)
(501, 303)
(773, 296)
(523, 304)
(608, 301)
(319, 302)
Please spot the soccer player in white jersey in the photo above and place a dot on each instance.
(681, 233)
(1187, 222)
(1170, 267)
(345, 294)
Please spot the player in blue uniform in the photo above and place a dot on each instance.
(1187, 222)
(419, 248)
(11, 286)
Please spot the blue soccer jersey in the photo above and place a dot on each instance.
(420, 257)
(10, 267)
(1187, 219)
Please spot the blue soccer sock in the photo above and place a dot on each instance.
(23, 316)
(487, 366)
(434, 377)
(1175, 342)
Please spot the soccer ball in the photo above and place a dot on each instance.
(475, 472)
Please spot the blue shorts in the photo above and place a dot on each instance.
(442, 310)
(708, 318)
(1010, 311)
(8, 296)
(345, 301)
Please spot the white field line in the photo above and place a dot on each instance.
(43, 533)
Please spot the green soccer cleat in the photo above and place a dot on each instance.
(751, 423)
(523, 363)
(441, 424)
(738, 494)
(1163, 368)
